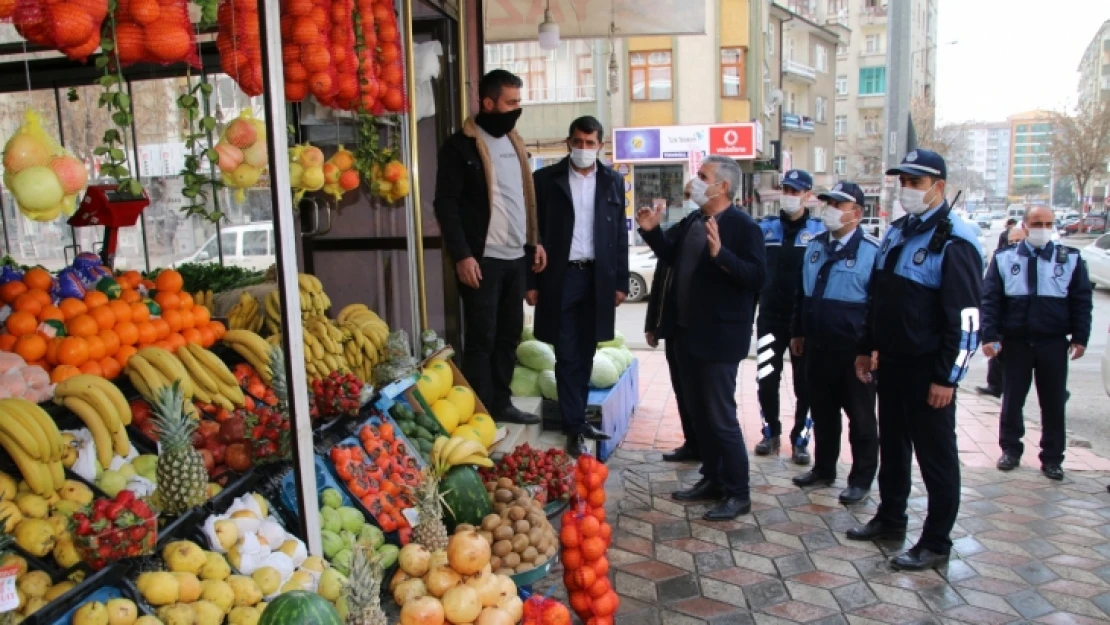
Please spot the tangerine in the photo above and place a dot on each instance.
(128, 333)
(121, 309)
(28, 302)
(42, 297)
(201, 316)
(92, 367)
(51, 348)
(12, 290)
(131, 296)
(95, 298)
(169, 280)
(139, 312)
(111, 341)
(96, 347)
(161, 328)
(31, 347)
(73, 351)
(103, 316)
(38, 278)
(191, 335)
(51, 313)
(207, 336)
(72, 307)
(187, 319)
(111, 368)
(82, 325)
(7, 342)
(21, 322)
(173, 318)
(164, 345)
(72, 25)
(63, 372)
(133, 278)
(124, 354)
(147, 333)
(218, 328)
(167, 42)
(185, 301)
(167, 300)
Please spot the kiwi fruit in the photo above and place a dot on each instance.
(529, 554)
(503, 495)
(500, 507)
(535, 535)
(517, 513)
(539, 561)
(510, 561)
(502, 548)
(494, 563)
(535, 519)
(520, 543)
(503, 532)
(491, 486)
(506, 571)
(487, 535)
(524, 567)
(518, 492)
(504, 483)
(551, 551)
(491, 522)
(521, 526)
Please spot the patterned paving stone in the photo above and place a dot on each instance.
(980, 616)
(822, 579)
(798, 611)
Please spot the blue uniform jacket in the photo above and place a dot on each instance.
(1060, 307)
(831, 305)
(784, 261)
(926, 292)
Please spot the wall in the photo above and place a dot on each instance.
(648, 113)
(695, 59)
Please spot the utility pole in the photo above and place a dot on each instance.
(899, 90)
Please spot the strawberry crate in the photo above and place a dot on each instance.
(112, 530)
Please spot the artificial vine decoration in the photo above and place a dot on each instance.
(209, 10)
(197, 182)
(116, 100)
(368, 145)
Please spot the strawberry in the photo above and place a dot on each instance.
(84, 526)
(125, 497)
(141, 509)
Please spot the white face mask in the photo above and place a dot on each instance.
(913, 200)
(698, 188)
(791, 204)
(833, 218)
(582, 158)
(1039, 237)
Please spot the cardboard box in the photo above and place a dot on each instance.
(419, 403)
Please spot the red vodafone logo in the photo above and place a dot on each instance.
(735, 141)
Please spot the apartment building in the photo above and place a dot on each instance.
(982, 171)
(1094, 87)
(1031, 174)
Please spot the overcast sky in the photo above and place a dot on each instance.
(1012, 55)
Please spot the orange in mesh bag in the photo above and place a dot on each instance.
(71, 27)
(239, 42)
(155, 31)
(391, 65)
(306, 50)
(343, 56)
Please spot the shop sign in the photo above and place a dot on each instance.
(871, 189)
(161, 159)
(680, 142)
(636, 144)
(733, 141)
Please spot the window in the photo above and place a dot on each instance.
(255, 242)
(732, 72)
(770, 41)
(585, 76)
(842, 85)
(872, 80)
(872, 126)
(840, 127)
(822, 54)
(842, 49)
(840, 165)
(534, 75)
(1103, 242)
(562, 75)
(873, 44)
(819, 160)
(650, 75)
(820, 104)
(790, 102)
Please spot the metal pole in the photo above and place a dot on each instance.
(285, 231)
(899, 87)
(415, 232)
(464, 77)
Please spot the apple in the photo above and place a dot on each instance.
(208, 429)
(217, 449)
(233, 430)
(209, 461)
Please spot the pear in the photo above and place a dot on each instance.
(188, 587)
(75, 491)
(32, 506)
(177, 614)
(92, 613)
(244, 616)
(268, 579)
(184, 557)
(216, 567)
(246, 590)
(314, 563)
(111, 482)
(122, 611)
(159, 588)
(127, 470)
(208, 613)
(218, 592)
(263, 505)
(227, 533)
(146, 465)
(67, 508)
(331, 585)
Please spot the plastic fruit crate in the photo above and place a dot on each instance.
(108, 546)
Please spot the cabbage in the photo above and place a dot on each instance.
(614, 354)
(526, 383)
(628, 356)
(527, 334)
(548, 388)
(618, 341)
(604, 373)
(536, 356)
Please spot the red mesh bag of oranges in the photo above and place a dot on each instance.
(306, 50)
(239, 42)
(585, 537)
(72, 26)
(391, 65)
(343, 56)
(155, 31)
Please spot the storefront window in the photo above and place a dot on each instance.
(653, 183)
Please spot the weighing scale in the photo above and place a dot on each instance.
(105, 205)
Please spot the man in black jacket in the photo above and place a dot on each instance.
(719, 268)
(580, 208)
(486, 207)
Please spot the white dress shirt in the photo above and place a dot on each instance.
(582, 190)
(842, 242)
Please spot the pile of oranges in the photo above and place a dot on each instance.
(72, 26)
(97, 335)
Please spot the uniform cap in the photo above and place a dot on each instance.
(844, 192)
(797, 179)
(921, 163)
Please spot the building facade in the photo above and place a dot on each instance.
(1031, 174)
(1094, 87)
(982, 171)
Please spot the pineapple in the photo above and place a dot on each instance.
(362, 594)
(277, 380)
(182, 478)
(431, 531)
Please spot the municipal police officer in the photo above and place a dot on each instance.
(1036, 295)
(924, 324)
(785, 238)
(829, 313)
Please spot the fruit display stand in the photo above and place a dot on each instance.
(611, 409)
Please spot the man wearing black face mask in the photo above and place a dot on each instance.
(486, 207)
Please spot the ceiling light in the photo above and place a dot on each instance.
(549, 31)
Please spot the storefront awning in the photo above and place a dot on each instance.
(517, 20)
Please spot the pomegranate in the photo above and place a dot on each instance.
(461, 605)
(230, 157)
(422, 611)
(467, 552)
(414, 560)
(439, 581)
(494, 616)
(312, 157)
(256, 155)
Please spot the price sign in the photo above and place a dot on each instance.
(9, 599)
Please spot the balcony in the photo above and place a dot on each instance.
(872, 14)
(864, 53)
(870, 100)
(799, 72)
(797, 123)
(804, 8)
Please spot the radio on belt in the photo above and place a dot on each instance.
(105, 205)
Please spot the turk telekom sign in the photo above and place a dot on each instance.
(680, 143)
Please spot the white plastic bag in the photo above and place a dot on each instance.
(427, 67)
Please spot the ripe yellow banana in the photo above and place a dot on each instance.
(17, 408)
(214, 365)
(58, 472)
(463, 450)
(79, 386)
(151, 377)
(202, 381)
(114, 395)
(46, 423)
(37, 474)
(170, 368)
(14, 429)
(102, 439)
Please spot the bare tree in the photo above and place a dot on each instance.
(946, 140)
(1031, 191)
(1081, 143)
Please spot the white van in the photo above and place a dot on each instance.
(248, 246)
(1016, 211)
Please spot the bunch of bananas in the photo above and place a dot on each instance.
(323, 348)
(152, 368)
(103, 409)
(452, 452)
(206, 299)
(213, 382)
(246, 315)
(314, 302)
(368, 336)
(254, 349)
(33, 441)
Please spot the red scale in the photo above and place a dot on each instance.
(105, 205)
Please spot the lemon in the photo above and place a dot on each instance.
(446, 377)
(428, 387)
(447, 415)
(463, 399)
(485, 426)
(468, 432)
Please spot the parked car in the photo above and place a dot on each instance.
(248, 246)
(641, 270)
(983, 221)
(1063, 222)
(1097, 256)
(998, 214)
(1094, 224)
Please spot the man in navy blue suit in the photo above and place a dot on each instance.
(719, 267)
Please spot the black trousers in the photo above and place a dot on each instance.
(907, 424)
(833, 386)
(688, 430)
(1046, 361)
(709, 390)
(768, 393)
(494, 318)
(574, 350)
(994, 375)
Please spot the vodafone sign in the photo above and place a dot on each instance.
(733, 140)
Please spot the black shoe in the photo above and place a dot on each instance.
(512, 414)
(986, 390)
(811, 478)
(1008, 462)
(593, 433)
(682, 454)
(918, 559)
(728, 509)
(769, 445)
(876, 530)
(853, 494)
(704, 490)
(576, 445)
(800, 455)
(1053, 472)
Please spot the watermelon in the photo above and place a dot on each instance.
(300, 607)
(109, 287)
(466, 497)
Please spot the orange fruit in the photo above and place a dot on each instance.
(30, 347)
(173, 318)
(63, 372)
(95, 298)
(51, 312)
(27, 302)
(147, 333)
(161, 328)
(110, 367)
(51, 349)
(121, 309)
(38, 278)
(103, 316)
(186, 301)
(82, 325)
(131, 297)
(125, 353)
(42, 297)
(176, 341)
(111, 341)
(73, 351)
(139, 312)
(169, 280)
(187, 319)
(92, 367)
(218, 328)
(96, 347)
(167, 300)
(133, 278)
(163, 345)
(128, 333)
(72, 307)
(191, 335)
(149, 284)
(207, 336)
(7, 342)
(12, 290)
(201, 316)
(21, 322)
